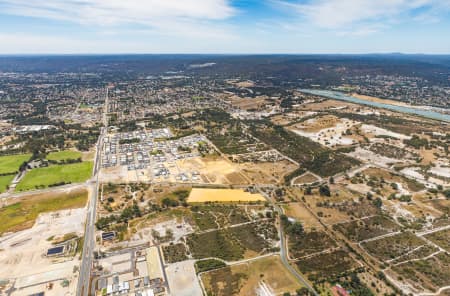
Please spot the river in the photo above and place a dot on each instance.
(411, 110)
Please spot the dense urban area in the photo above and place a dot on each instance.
(209, 175)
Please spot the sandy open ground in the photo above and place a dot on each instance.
(384, 101)
(223, 195)
(248, 103)
(327, 104)
(213, 170)
(265, 274)
(267, 172)
(301, 214)
(327, 130)
(183, 280)
(378, 131)
(306, 178)
(23, 260)
(371, 157)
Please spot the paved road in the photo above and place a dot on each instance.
(89, 235)
(283, 250)
(284, 259)
(89, 243)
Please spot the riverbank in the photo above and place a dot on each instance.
(380, 103)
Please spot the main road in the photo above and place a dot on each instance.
(89, 235)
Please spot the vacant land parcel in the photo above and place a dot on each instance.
(311, 155)
(21, 215)
(429, 274)
(55, 175)
(326, 265)
(223, 195)
(253, 278)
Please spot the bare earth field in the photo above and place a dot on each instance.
(249, 278)
(379, 100)
(20, 213)
(327, 130)
(287, 118)
(306, 178)
(23, 259)
(328, 104)
(248, 103)
(267, 172)
(213, 170)
(183, 279)
(300, 213)
(328, 215)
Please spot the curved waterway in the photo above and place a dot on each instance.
(343, 97)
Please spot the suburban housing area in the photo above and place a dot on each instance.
(163, 177)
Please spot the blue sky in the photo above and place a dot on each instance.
(224, 26)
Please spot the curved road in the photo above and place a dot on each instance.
(283, 248)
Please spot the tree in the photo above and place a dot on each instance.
(169, 234)
(296, 229)
(302, 291)
(169, 202)
(136, 211)
(447, 193)
(324, 190)
(378, 202)
(308, 191)
(284, 220)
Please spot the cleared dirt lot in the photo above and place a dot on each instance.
(19, 213)
(300, 213)
(267, 172)
(213, 170)
(328, 104)
(287, 118)
(183, 279)
(306, 178)
(246, 279)
(117, 174)
(329, 215)
(327, 130)
(248, 103)
(23, 259)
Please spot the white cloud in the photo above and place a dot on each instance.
(354, 14)
(163, 16)
(110, 43)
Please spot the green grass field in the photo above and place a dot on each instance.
(44, 177)
(11, 163)
(22, 215)
(64, 155)
(5, 181)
